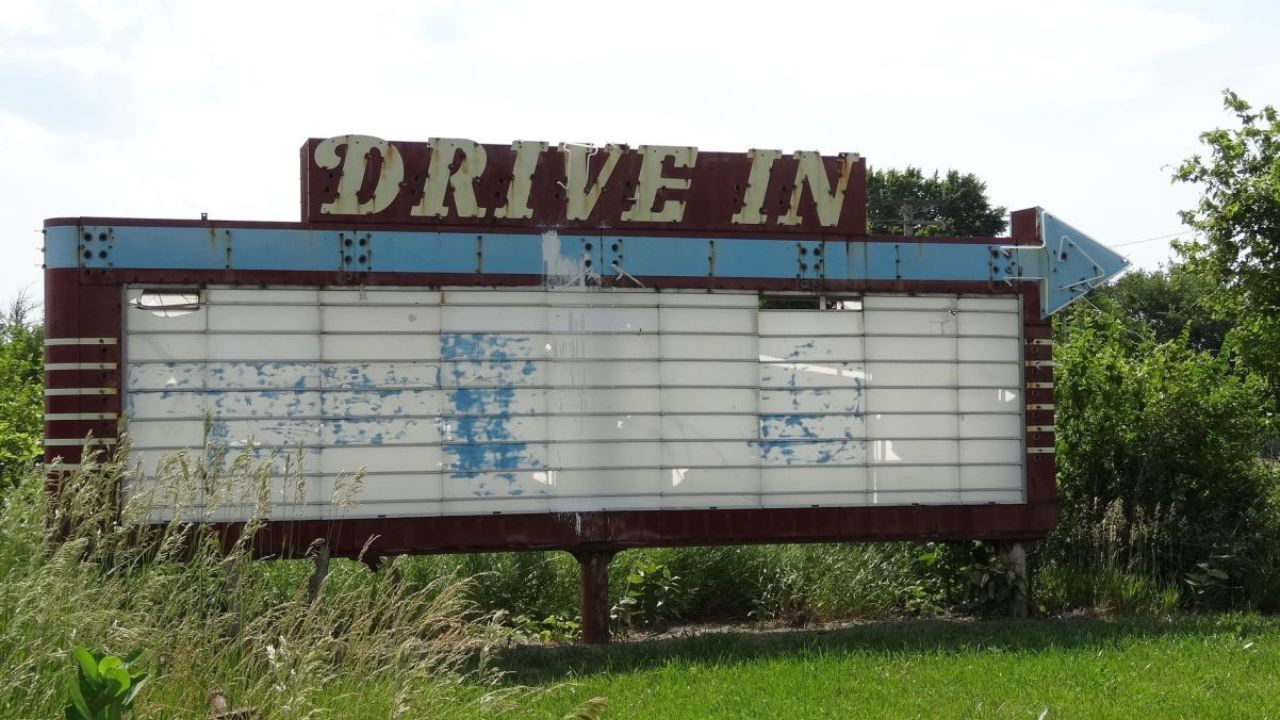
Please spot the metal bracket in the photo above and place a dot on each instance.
(355, 250)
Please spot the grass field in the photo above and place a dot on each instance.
(1222, 667)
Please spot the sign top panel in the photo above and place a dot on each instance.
(528, 184)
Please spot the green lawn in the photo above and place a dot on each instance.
(1223, 667)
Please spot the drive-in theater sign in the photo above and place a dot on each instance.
(576, 347)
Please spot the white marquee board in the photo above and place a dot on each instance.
(467, 401)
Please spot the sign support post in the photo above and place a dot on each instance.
(594, 565)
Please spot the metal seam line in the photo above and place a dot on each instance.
(53, 342)
(55, 367)
(51, 392)
(53, 417)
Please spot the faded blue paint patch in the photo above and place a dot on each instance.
(788, 426)
(482, 438)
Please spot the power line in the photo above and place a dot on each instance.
(1170, 236)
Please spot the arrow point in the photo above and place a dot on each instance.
(1077, 264)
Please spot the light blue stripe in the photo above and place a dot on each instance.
(197, 248)
(62, 247)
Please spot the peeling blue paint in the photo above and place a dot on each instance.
(483, 440)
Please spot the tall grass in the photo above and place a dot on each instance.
(209, 617)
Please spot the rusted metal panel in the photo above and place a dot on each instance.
(449, 182)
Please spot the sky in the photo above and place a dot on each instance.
(149, 108)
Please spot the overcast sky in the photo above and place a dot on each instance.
(147, 108)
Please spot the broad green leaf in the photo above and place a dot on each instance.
(88, 666)
(110, 661)
(118, 680)
(78, 701)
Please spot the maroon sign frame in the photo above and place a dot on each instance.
(88, 304)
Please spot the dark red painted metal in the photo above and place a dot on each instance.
(77, 310)
(718, 181)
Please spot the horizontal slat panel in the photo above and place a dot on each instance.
(914, 452)
(500, 319)
(929, 323)
(709, 373)
(1006, 324)
(987, 477)
(366, 403)
(264, 346)
(814, 480)
(369, 347)
(697, 320)
(919, 400)
(990, 400)
(167, 347)
(989, 349)
(699, 481)
(381, 318)
(708, 400)
(602, 320)
(261, 296)
(813, 349)
(798, 426)
(380, 431)
(811, 375)
(991, 451)
(605, 455)
(803, 452)
(697, 347)
(421, 459)
(912, 348)
(610, 402)
(938, 426)
(801, 400)
(256, 318)
(707, 454)
(990, 374)
(908, 302)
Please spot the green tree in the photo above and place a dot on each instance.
(1238, 217)
(954, 204)
(1168, 303)
(1239, 209)
(21, 391)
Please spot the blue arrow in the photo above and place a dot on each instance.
(1067, 263)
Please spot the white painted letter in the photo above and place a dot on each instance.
(581, 199)
(351, 176)
(651, 180)
(752, 212)
(828, 203)
(443, 150)
(527, 155)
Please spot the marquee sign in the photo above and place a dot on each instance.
(450, 181)
(590, 349)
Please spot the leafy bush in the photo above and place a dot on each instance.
(1159, 467)
(21, 393)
